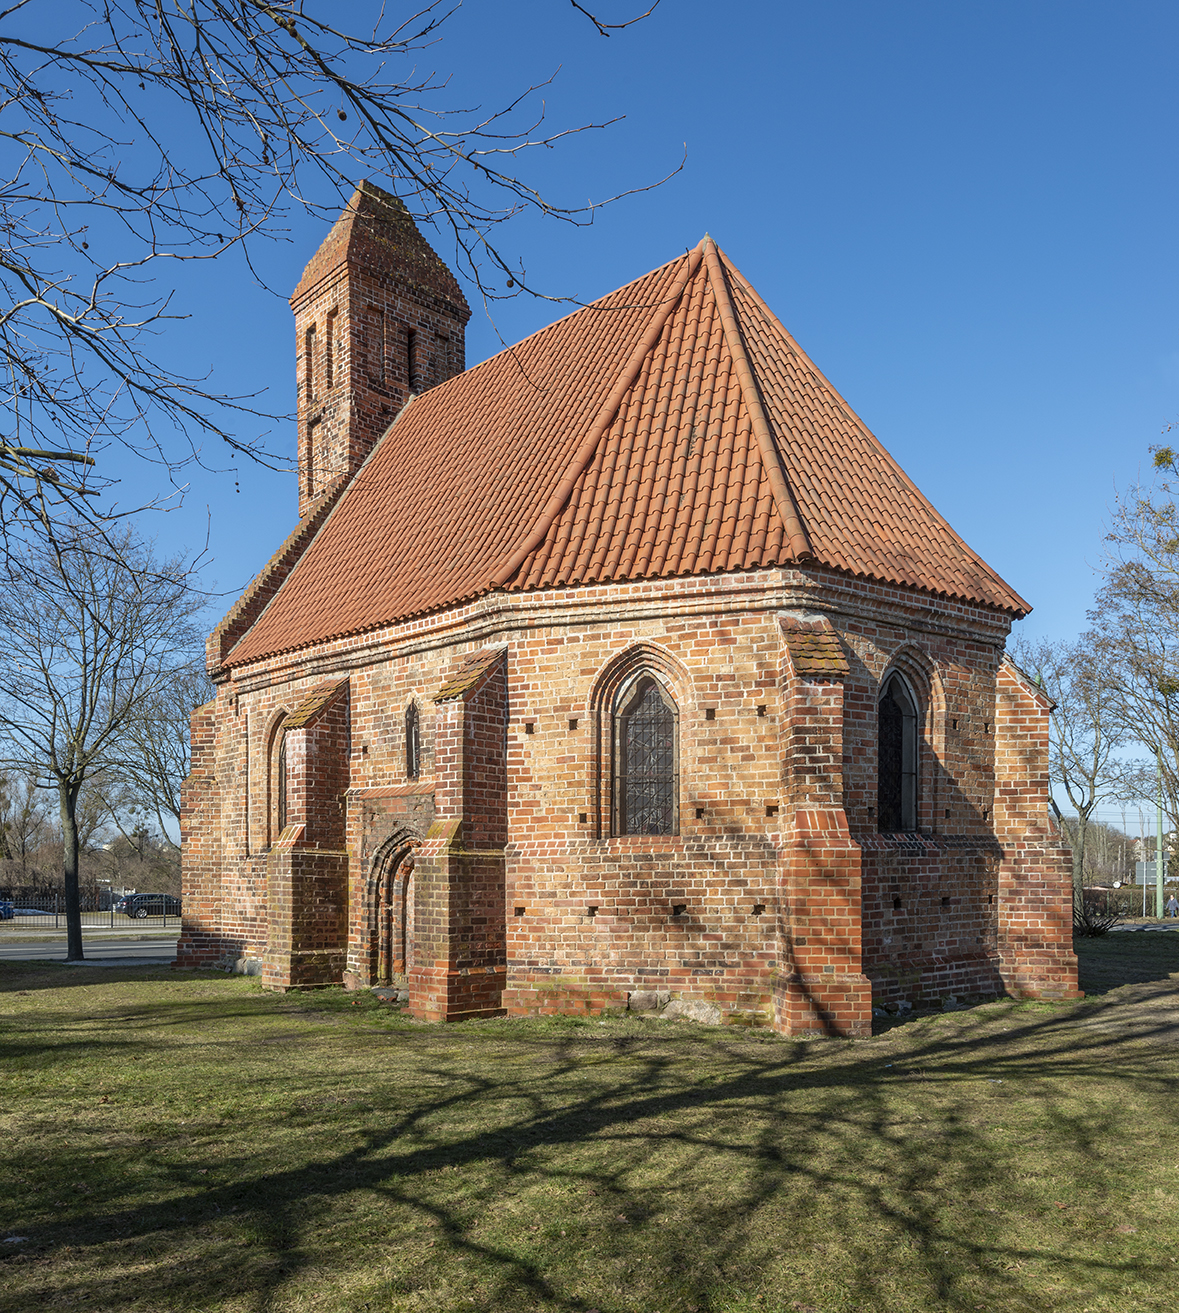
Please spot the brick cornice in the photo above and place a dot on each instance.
(495, 616)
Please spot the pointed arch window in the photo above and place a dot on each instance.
(413, 764)
(280, 771)
(646, 760)
(896, 787)
(274, 774)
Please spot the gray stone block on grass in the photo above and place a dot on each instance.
(693, 1009)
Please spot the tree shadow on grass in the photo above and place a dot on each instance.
(1126, 957)
(31, 974)
(1105, 963)
(507, 1167)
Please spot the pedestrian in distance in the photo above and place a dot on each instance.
(1173, 906)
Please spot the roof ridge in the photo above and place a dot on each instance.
(796, 534)
(605, 417)
(871, 437)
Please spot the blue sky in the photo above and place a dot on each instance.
(964, 213)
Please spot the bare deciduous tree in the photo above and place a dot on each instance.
(156, 753)
(1134, 639)
(90, 636)
(138, 134)
(23, 824)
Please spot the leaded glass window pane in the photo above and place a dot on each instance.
(281, 773)
(896, 779)
(412, 765)
(645, 747)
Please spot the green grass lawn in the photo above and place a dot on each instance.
(188, 1142)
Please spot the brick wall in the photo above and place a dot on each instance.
(1035, 876)
(929, 910)
(519, 845)
(307, 865)
(820, 987)
(458, 914)
(201, 942)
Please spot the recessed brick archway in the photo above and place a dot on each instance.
(388, 911)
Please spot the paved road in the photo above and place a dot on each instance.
(99, 952)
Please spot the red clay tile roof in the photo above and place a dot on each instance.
(814, 647)
(672, 428)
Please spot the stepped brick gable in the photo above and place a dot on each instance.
(624, 669)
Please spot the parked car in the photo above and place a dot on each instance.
(31, 911)
(143, 905)
(5, 910)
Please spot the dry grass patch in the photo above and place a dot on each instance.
(179, 1142)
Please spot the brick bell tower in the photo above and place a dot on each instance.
(378, 318)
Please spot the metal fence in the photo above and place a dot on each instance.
(47, 912)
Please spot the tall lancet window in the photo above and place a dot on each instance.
(280, 771)
(645, 761)
(896, 787)
(412, 742)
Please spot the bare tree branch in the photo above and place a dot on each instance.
(606, 28)
(142, 134)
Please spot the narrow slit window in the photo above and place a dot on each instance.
(645, 761)
(314, 473)
(309, 362)
(443, 355)
(330, 349)
(896, 797)
(411, 358)
(412, 742)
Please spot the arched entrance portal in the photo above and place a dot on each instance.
(389, 923)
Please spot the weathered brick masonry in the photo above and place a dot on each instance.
(414, 771)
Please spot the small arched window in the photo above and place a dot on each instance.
(412, 742)
(896, 787)
(646, 780)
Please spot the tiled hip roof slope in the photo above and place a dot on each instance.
(672, 428)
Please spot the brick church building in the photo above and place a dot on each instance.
(624, 668)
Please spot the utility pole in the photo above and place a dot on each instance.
(1158, 854)
(1142, 840)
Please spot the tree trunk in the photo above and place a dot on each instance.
(68, 799)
